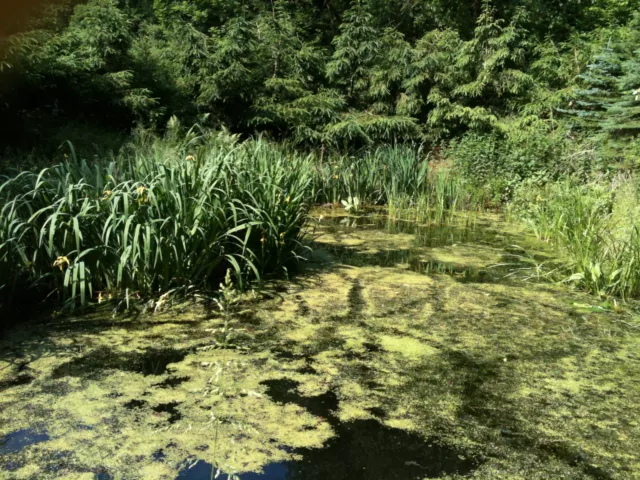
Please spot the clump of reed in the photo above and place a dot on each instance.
(401, 177)
(595, 225)
(158, 218)
(445, 198)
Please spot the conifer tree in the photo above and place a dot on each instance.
(432, 66)
(370, 66)
(356, 49)
(494, 60)
(623, 115)
(596, 93)
(233, 74)
(469, 84)
(293, 102)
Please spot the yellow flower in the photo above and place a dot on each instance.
(104, 298)
(288, 199)
(61, 263)
(142, 193)
(190, 158)
(262, 240)
(282, 235)
(107, 194)
(335, 177)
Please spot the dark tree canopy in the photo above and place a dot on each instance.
(342, 74)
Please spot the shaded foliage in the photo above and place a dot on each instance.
(344, 74)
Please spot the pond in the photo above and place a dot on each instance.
(399, 352)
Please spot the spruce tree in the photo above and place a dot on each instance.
(233, 74)
(470, 84)
(623, 115)
(596, 93)
(293, 102)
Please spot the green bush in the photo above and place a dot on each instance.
(501, 161)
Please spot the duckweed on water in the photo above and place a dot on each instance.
(408, 372)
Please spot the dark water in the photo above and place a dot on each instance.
(171, 382)
(150, 362)
(57, 462)
(203, 470)
(16, 441)
(429, 236)
(426, 237)
(171, 408)
(360, 450)
(21, 379)
(286, 391)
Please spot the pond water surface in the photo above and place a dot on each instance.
(399, 352)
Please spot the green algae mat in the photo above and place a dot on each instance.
(400, 352)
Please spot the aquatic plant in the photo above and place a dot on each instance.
(602, 249)
(227, 300)
(401, 177)
(524, 265)
(351, 204)
(159, 217)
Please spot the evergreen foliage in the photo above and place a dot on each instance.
(344, 75)
(623, 116)
(596, 92)
(339, 75)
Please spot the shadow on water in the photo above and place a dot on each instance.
(416, 261)
(202, 470)
(286, 391)
(361, 449)
(16, 441)
(169, 408)
(355, 300)
(171, 382)
(152, 361)
(459, 273)
(485, 385)
(21, 379)
(514, 262)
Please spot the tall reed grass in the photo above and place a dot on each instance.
(401, 177)
(373, 177)
(601, 243)
(160, 217)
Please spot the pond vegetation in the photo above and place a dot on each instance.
(407, 370)
(347, 239)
